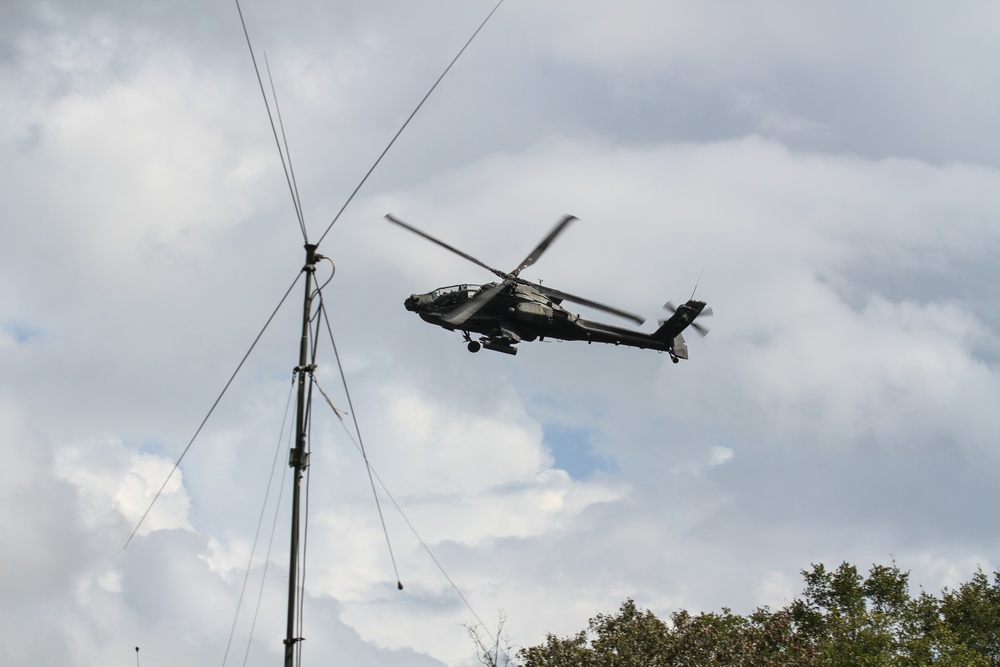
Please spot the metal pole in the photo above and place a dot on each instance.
(298, 458)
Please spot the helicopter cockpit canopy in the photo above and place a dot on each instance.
(453, 295)
(442, 297)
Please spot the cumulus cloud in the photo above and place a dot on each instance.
(840, 210)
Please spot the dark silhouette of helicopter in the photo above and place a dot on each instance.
(514, 310)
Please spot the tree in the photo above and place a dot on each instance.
(852, 620)
(630, 638)
(842, 619)
(555, 652)
(972, 614)
(492, 650)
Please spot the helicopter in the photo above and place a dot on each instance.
(512, 310)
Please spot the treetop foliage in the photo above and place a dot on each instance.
(842, 619)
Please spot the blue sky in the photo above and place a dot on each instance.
(573, 452)
(830, 169)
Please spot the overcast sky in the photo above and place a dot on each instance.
(831, 170)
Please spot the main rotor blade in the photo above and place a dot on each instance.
(587, 302)
(465, 311)
(543, 246)
(444, 245)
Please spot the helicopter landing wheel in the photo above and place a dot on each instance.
(474, 346)
(674, 359)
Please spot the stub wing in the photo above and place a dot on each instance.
(680, 347)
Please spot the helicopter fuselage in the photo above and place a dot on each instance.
(514, 310)
(522, 312)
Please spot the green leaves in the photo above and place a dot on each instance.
(630, 638)
(972, 614)
(842, 619)
(557, 652)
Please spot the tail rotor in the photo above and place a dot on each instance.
(697, 326)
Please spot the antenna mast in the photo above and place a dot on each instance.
(298, 458)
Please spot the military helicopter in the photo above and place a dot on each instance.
(514, 310)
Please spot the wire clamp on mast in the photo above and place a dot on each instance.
(311, 257)
(298, 457)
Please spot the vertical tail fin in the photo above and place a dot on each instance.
(684, 315)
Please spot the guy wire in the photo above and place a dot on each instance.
(405, 123)
(373, 475)
(211, 410)
(373, 472)
(274, 131)
(288, 153)
(364, 455)
(270, 544)
(260, 521)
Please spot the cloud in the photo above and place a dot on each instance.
(827, 171)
